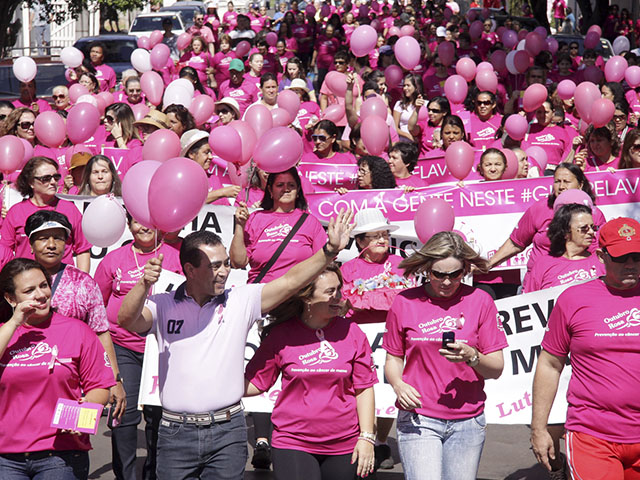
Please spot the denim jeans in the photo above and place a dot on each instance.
(217, 451)
(434, 449)
(64, 465)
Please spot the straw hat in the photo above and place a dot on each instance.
(155, 118)
(298, 83)
(189, 139)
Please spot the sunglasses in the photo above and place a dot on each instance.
(58, 97)
(434, 110)
(223, 110)
(484, 102)
(585, 228)
(47, 178)
(25, 125)
(450, 275)
(319, 138)
(109, 119)
(2, 117)
(635, 257)
(635, 147)
(619, 118)
(438, 65)
(340, 62)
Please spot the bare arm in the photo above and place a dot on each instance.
(352, 115)
(363, 451)
(133, 315)
(97, 395)
(250, 390)
(505, 252)
(238, 249)
(408, 397)
(230, 191)
(324, 102)
(83, 261)
(545, 386)
(278, 290)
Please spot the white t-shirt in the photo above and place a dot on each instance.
(405, 115)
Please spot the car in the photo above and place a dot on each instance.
(118, 49)
(145, 23)
(50, 74)
(187, 9)
(605, 49)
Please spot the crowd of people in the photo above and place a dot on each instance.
(524, 105)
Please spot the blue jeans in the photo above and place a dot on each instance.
(435, 449)
(216, 451)
(63, 465)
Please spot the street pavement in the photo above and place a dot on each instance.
(506, 456)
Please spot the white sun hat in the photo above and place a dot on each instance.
(371, 220)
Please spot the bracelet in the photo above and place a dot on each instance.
(368, 435)
(372, 442)
(328, 253)
(475, 360)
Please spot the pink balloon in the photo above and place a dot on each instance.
(632, 76)
(534, 43)
(272, 38)
(155, 38)
(104, 221)
(260, 119)
(516, 126)
(459, 158)
(602, 111)
(566, 88)
(456, 88)
(373, 106)
(509, 39)
(434, 215)
(407, 31)
(375, 134)
(242, 48)
(28, 151)
(135, 190)
(152, 86)
(591, 39)
(239, 175)
(144, 42)
(446, 52)
(498, 60)
(615, 68)
(541, 31)
(50, 129)
(337, 83)
(248, 137)
(184, 40)
(593, 74)
(107, 97)
(278, 150)
(538, 155)
(11, 154)
(466, 68)
(159, 56)
(393, 32)
(71, 57)
(226, 143)
(487, 81)
(475, 30)
(521, 61)
(552, 45)
(573, 195)
(177, 192)
(595, 28)
(512, 164)
(161, 145)
(281, 118)
(423, 114)
(290, 102)
(82, 122)
(407, 50)
(500, 30)
(202, 108)
(140, 111)
(76, 91)
(102, 105)
(484, 66)
(363, 40)
(522, 34)
(333, 112)
(534, 97)
(393, 75)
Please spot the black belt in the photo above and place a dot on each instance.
(23, 457)
(207, 418)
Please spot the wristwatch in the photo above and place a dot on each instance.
(475, 360)
(119, 378)
(328, 253)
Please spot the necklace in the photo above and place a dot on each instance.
(135, 255)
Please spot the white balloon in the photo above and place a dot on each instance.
(177, 95)
(509, 62)
(104, 222)
(141, 60)
(87, 98)
(184, 83)
(621, 44)
(521, 44)
(71, 57)
(25, 69)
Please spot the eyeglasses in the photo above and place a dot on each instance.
(377, 236)
(58, 97)
(450, 275)
(484, 102)
(635, 257)
(434, 110)
(109, 119)
(319, 138)
(25, 125)
(635, 147)
(585, 228)
(339, 62)
(573, 48)
(47, 178)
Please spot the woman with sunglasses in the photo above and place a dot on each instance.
(122, 142)
(38, 183)
(630, 154)
(325, 146)
(327, 97)
(484, 121)
(571, 233)
(442, 341)
(621, 119)
(20, 122)
(429, 130)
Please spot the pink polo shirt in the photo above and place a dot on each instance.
(220, 62)
(483, 133)
(245, 94)
(548, 271)
(552, 139)
(106, 77)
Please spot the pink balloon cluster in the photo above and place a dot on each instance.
(432, 216)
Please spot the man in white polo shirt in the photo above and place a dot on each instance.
(202, 330)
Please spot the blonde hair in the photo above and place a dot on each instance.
(443, 245)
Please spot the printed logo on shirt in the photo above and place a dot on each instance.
(622, 320)
(579, 275)
(323, 354)
(31, 352)
(107, 363)
(236, 93)
(499, 322)
(281, 230)
(486, 132)
(545, 138)
(439, 325)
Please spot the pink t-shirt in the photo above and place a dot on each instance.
(43, 105)
(77, 295)
(220, 62)
(592, 164)
(199, 62)
(548, 271)
(106, 77)
(326, 48)
(245, 94)
(230, 19)
(371, 287)
(30, 389)
(116, 275)
(12, 232)
(433, 86)
(533, 225)
(599, 326)
(427, 130)
(263, 233)
(299, 32)
(316, 410)
(411, 181)
(552, 139)
(481, 134)
(415, 325)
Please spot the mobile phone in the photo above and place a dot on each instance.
(447, 338)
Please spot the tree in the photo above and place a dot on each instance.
(72, 9)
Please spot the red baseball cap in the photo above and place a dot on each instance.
(620, 236)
